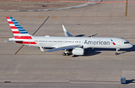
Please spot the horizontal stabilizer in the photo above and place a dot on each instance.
(63, 48)
(9, 41)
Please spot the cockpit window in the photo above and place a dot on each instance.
(126, 42)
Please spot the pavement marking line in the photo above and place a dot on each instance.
(19, 49)
(41, 25)
(126, 7)
(7, 81)
(41, 17)
(54, 17)
(33, 34)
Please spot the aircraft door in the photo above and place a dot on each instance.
(119, 43)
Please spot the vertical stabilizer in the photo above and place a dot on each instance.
(18, 31)
(20, 34)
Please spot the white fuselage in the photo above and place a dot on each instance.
(85, 42)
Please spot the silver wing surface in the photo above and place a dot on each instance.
(63, 48)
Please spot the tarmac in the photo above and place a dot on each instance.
(50, 6)
(98, 68)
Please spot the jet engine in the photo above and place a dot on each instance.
(78, 51)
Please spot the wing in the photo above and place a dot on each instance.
(63, 48)
(67, 34)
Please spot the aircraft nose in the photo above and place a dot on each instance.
(130, 45)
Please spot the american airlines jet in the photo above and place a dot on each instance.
(69, 43)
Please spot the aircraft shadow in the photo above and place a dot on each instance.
(128, 50)
(130, 81)
(95, 51)
(91, 52)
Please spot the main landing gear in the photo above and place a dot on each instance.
(67, 53)
(117, 49)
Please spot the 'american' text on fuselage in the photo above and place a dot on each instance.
(97, 42)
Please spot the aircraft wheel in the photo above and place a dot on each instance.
(75, 55)
(67, 54)
(64, 54)
(116, 53)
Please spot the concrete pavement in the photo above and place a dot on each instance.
(98, 68)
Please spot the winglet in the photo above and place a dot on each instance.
(67, 34)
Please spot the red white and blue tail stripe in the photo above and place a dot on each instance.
(19, 32)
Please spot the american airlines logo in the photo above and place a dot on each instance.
(112, 42)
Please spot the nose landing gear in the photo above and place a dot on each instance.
(117, 53)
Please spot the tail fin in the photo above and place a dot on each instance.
(18, 31)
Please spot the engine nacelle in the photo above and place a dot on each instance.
(78, 51)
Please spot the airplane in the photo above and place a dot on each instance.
(71, 44)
